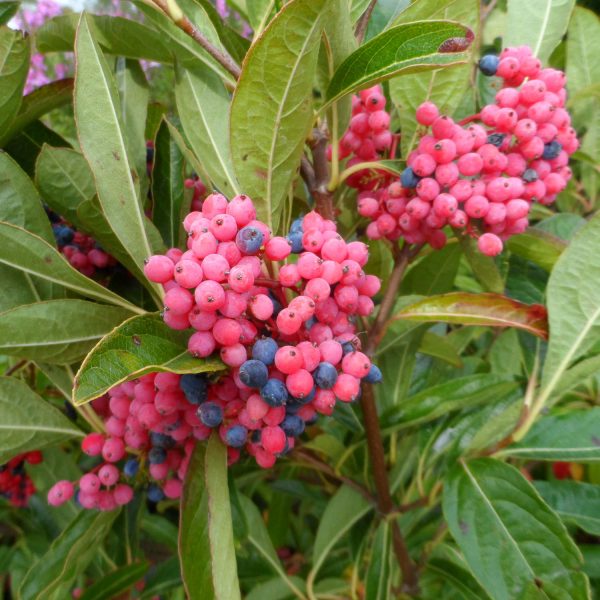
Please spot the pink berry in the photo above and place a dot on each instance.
(61, 492)
(489, 244)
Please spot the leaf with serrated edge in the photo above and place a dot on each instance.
(141, 345)
(206, 547)
(275, 90)
(28, 421)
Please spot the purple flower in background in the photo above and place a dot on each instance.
(222, 8)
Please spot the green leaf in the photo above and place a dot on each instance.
(39, 102)
(57, 331)
(344, 509)
(434, 273)
(439, 400)
(540, 247)
(573, 436)
(20, 203)
(32, 255)
(52, 575)
(445, 87)
(141, 345)
(378, 581)
(189, 156)
(401, 49)
(169, 206)
(574, 501)
(573, 304)
(541, 27)
(115, 583)
(259, 12)
(115, 35)
(102, 138)
(514, 544)
(15, 48)
(484, 268)
(491, 310)
(456, 578)
(274, 589)
(438, 346)
(206, 548)
(275, 87)
(8, 11)
(203, 106)
(28, 422)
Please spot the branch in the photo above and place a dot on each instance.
(171, 9)
(320, 169)
(16, 367)
(363, 22)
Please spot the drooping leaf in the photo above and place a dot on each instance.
(573, 436)
(275, 89)
(206, 546)
(102, 137)
(203, 106)
(169, 207)
(29, 253)
(538, 246)
(15, 48)
(28, 422)
(478, 309)
(441, 399)
(52, 575)
(115, 583)
(140, 345)
(541, 27)
(514, 544)
(57, 331)
(575, 502)
(401, 49)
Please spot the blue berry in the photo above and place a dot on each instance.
(157, 456)
(325, 375)
(277, 308)
(172, 426)
(254, 373)
(264, 350)
(236, 436)
(63, 234)
(131, 467)
(210, 413)
(348, 347)
(162, 440)
(155, 494)
(249, 240)
(295, 240)
(292, 425)
(552, 150)
(488, 64)
(292, 400)
(530, 176)
(496, 139)
(274, 392)
(409, 179)
(374, 375)
(195, 388)
(296, 225)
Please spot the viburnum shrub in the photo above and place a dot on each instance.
(300, 300)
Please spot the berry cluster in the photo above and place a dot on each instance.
(199, 191)
(286, 331)
(151, 426)
(481, 175)
(15, 485)
(81, 250)
(368, 136)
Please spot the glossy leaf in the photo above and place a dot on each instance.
(206, 546)
(538, 246)
(573, 436)
(203, 106)
(378, 580)
(439, 400)
(141, 345)
(573, 304)
(28, 422)
(102, 138)
(169, 206)
(514, 544)
(401, 49)
(434, 273)
(438, 346)
(53, 574)
(15, 48)
(275, 88)
(541, 27)
(32, 255)
(456, 578)
(478, 309)
(57, 331)
(115, 583)
(574, 501)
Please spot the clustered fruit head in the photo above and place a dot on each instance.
(81, 250)
(285, 329)
(15, 485)
(481, 177)
(195, 184)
